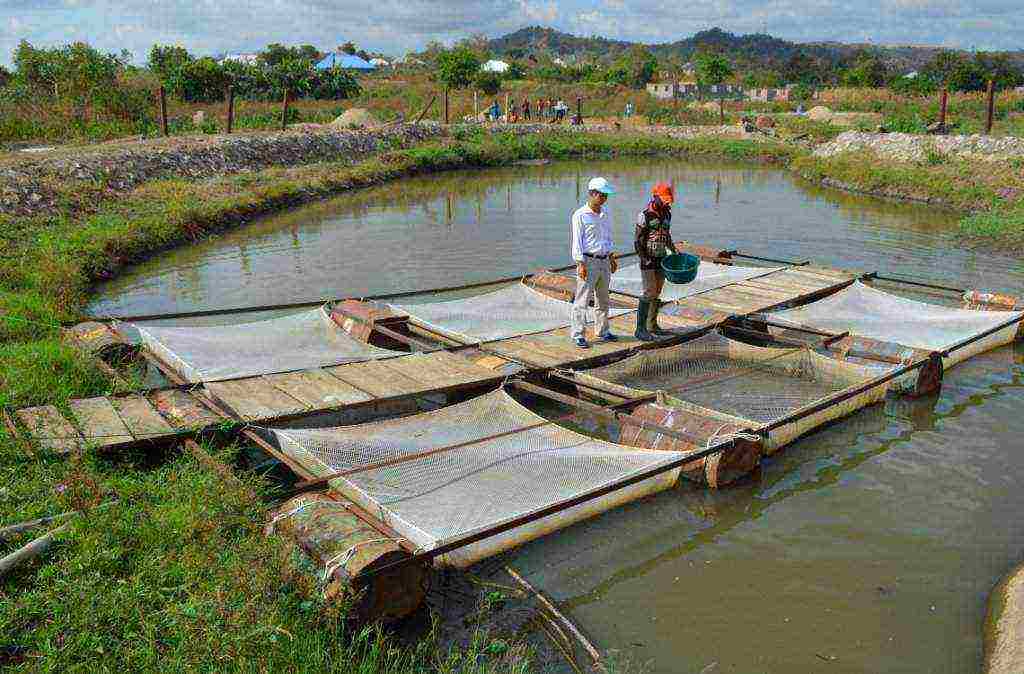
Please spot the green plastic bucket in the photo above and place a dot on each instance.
(680, 268)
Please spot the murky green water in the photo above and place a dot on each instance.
(869, 546)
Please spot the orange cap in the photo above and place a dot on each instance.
(664, 192)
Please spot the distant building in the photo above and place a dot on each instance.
(248, 59)
(767, 94)
(494, 66)
(346, 61)
(690, 90)
(912, 75)
(379, 63)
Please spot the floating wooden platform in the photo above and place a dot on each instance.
(166, 414)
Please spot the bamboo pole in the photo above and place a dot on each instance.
(163, 110)
(943, 103)
(284, 109)
(991, 108)
(231, 108)
(30, 551)
(446, 105)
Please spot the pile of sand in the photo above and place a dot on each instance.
(355, 118)
(820, 113)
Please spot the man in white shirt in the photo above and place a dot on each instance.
(591, 243)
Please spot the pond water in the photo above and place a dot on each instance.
(869, 546)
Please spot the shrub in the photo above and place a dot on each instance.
(489, 84)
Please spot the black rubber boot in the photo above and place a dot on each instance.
(652, 319)
(641, 322)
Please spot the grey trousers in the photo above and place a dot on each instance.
(599, 273)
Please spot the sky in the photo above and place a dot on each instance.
(211, 27)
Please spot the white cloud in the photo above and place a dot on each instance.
(395, 26)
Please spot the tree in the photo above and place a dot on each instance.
(487, 83)
(999, 69)
(199, 81)
(5, 77)
(348, 48)
(275, 53)
(634, 69)
(166, 60)
(457, 67)
(713, 70)
(867, 70)
(801, 68)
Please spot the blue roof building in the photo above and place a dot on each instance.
(349, 61)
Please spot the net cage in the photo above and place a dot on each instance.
(629, 279)
(509, 312)
(869, 312)
(438, 477)
(750, 386)
(299, 341)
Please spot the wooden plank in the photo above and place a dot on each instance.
(515, 350)
(457, 363)
(254, 399)
(317, 389)
(764, 290)
(99, 423)
(49, 428)
(380, 382)
(141, 418)
(797, 277)
(416, 369)
(829, 273)
(182, 410)
(795, 285)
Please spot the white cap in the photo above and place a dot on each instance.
(600, 185)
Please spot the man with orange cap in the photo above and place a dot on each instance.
(653, 242)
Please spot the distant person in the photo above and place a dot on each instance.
(799, 109)
(494, 112)
(513, 112)
(561, 108)
(629, 110)
(526, 109)
(652, 242)
(591, 246)
(541, 106)
(551, 109)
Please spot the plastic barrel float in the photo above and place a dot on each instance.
(680, 268)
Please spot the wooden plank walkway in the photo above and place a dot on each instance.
(165, 414)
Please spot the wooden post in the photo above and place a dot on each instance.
(476, 110)
(721, 108)
(991, 106)
(579, 110)
(508, 115)
(943, 102)
(231, 107)
(163, 110)
(446, 105)
(284, 109)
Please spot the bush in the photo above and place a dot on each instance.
(489, 84)
(457, 67)
(199, 81)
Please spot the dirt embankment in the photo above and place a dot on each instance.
(905, 147)
(31, 183)
(1004, 631)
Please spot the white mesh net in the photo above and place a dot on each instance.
(748, 382)
(709, 276)
(300, 341)
(509, 312)
(866, 311)
(444, 475)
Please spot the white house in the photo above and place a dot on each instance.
(379, 62)
(248, 59)
(494, 66)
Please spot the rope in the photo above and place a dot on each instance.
(340, 560)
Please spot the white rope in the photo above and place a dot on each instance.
(738, 435)
(302, 506)
(340, 560)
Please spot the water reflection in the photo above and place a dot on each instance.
(459, 227)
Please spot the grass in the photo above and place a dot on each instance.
(177, 575)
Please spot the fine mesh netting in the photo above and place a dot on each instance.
(471, 466)
(750, 385)
(868, 312)
(709, 276)
(509, 312)
(215, 353)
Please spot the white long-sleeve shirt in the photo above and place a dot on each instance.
(591, 232)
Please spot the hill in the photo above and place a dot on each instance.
(758, 48)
